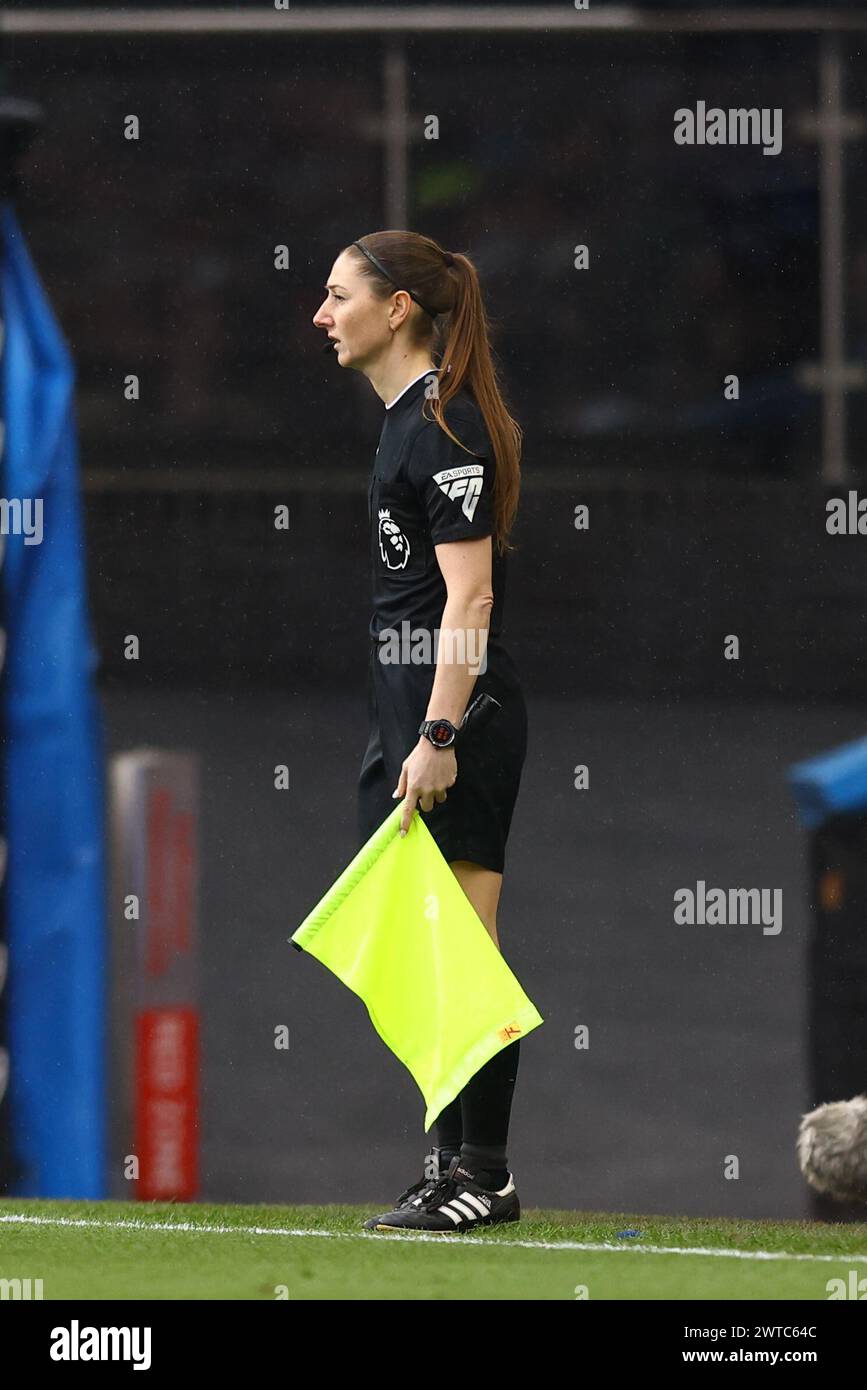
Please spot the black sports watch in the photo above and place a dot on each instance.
(440, 732)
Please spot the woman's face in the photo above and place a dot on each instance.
(352, 317)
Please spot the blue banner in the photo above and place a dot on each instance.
(54, 765)
(8, 1170)
(831, 784)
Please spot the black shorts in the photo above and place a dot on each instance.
(473, 822)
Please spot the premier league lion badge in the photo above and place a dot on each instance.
(393, 544)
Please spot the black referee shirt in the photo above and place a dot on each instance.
(425, 489)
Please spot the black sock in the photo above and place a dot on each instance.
(486, 1104)
(445, 1158)
(493, 1179)
(449, 1127)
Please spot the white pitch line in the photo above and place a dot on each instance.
(127, 1224)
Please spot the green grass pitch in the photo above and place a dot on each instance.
(130, 1250)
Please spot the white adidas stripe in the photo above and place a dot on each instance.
(449, 1210)
(465, 1209)
(476, 1202)
(468, 1205)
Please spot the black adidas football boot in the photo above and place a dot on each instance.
(413, 1196)
(453, 1205)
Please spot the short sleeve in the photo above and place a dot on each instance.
(455, 487)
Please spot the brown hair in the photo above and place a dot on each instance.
(447, 284)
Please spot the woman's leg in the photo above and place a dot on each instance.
(480, 1114)
(482, 887)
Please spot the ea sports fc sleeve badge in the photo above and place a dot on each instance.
(456, 487)
(399, 931)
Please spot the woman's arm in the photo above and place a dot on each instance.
(462, 643)
(466, 619)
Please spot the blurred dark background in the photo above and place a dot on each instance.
(707, 515)
(707, 518)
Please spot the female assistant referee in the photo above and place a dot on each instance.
(442, 499)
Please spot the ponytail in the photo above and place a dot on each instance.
(452, 322)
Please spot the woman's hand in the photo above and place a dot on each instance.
(425, 777)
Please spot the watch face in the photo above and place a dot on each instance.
(441, 732)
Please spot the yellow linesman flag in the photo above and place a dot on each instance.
(398, 930)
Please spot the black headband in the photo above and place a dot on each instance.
(382, 270)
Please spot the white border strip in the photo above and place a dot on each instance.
(126, 1224)
(436, 19)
